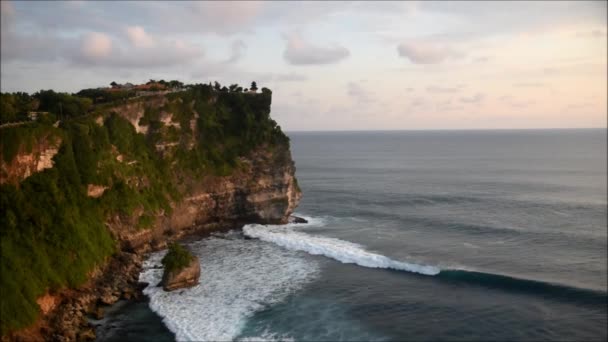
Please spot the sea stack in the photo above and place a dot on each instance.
(182, 269)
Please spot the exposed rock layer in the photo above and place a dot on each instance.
(27, 163)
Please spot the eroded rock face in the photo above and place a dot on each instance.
(186, 277)
(263, 191)
(25, 164)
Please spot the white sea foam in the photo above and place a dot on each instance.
(343, 251)
(238, 278)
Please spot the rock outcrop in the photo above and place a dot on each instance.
(297, 220)
(182, 278)
(26, 163)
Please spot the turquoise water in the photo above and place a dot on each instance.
(446, 235)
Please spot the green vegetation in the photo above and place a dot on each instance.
(51, 237)
(14, 107)
(176, 258)
(25, 137)
(53, 234)
(102, 96)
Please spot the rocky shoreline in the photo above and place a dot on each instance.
(67, 315)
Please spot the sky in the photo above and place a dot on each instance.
(332, 65)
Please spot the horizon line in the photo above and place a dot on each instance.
(445, 129)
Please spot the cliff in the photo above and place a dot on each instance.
(131, 176)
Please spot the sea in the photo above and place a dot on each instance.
(479, 235)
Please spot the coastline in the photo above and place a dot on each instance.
(71, 313)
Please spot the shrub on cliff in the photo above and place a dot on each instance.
(177, 258)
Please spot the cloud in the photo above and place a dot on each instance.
(96, 45)
(443, 90)
(300, 52)
(420, 52)
(238, 48)
(359, 93)
(225, 16)
(477, 98)
(143, 51)
(487, 18)
(139, 38)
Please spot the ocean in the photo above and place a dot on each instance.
(412, 235)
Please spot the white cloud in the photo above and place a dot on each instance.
(143, 51)
(96, 46)
(300, 52)
(420, 52)
(139, 38)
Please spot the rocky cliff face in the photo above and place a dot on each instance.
(26, 163)
(264, 191)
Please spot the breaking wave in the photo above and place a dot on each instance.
(343, 251)
(347, 252)
(238, 278)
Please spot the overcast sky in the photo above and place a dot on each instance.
(332, 65)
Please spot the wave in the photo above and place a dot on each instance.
(238, 278)
(343, 251)
(526, 286)
(348, 252)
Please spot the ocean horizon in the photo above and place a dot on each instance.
(410, 236)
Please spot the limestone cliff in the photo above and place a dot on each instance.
(265, 190)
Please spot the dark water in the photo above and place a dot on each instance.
(514, 222)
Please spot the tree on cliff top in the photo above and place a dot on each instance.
(254, 86)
